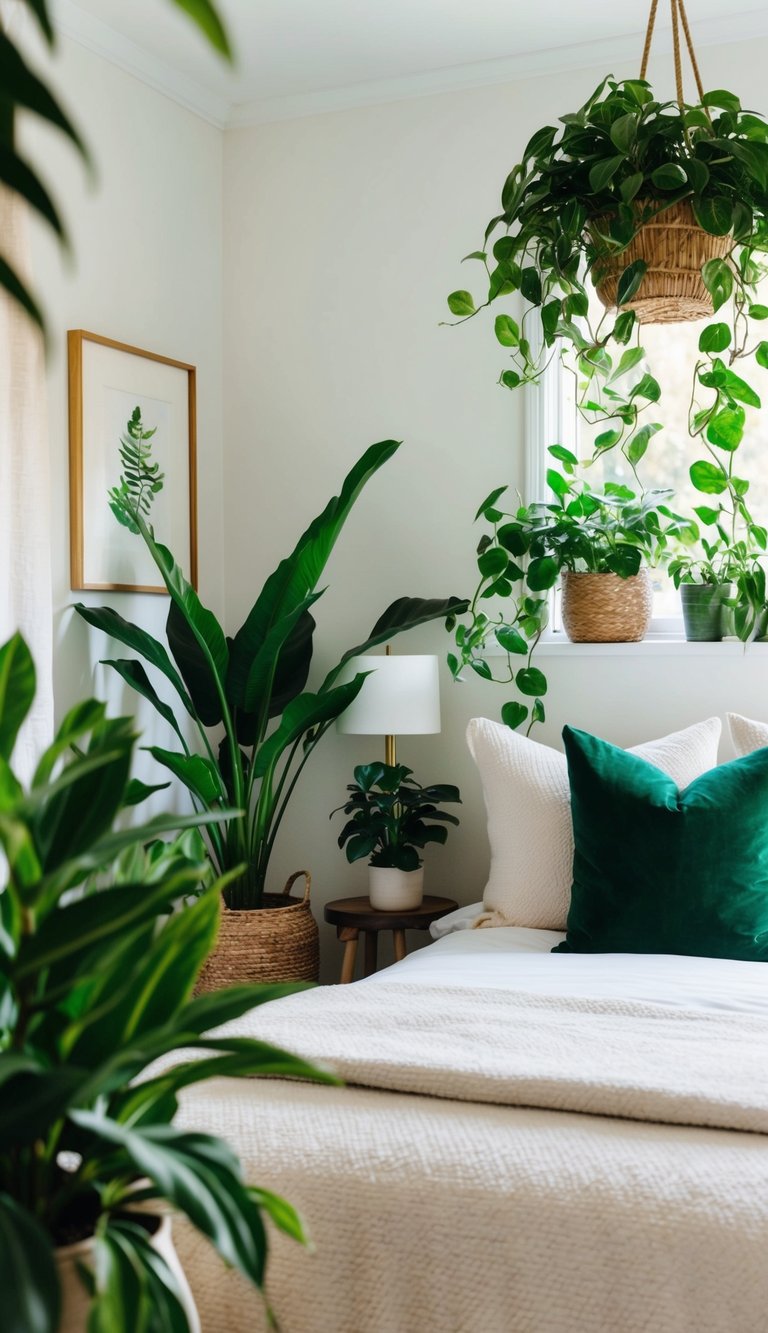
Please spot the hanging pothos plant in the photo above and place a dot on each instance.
(572, 212)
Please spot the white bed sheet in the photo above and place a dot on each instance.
(517, 959)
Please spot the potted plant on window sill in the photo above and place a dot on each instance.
(392, 819)
(253, 687)
(598, 543)
(97, 966)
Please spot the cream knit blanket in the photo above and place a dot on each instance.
(458, 1186)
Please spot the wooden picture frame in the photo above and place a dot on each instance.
(107, 379)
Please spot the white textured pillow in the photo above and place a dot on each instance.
(528, 802)
(747, 736)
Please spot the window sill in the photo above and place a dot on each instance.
(559, 646)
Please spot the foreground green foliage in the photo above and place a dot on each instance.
(96, 979)
(21, 89)
(392, 816)
(251, 685)
(579, 197)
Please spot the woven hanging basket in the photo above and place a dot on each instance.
(276, 942)
(674, 247)
(603, 608)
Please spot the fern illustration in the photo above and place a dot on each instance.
(140, 480)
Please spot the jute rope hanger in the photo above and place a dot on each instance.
(679, 17)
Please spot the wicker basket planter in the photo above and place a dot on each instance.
(602, 608)
(276, 942)
(674, 247)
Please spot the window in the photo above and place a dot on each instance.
(672, 351)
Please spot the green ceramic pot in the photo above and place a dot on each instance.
(703, 611)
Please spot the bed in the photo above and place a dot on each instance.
(534, 1142)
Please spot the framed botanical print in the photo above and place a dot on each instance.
(108, 380)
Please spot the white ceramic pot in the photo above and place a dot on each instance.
(393, 890)
(74, 1298)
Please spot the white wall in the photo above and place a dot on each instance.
(343, 234)
(147, 270)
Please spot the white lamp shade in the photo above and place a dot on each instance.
(401, 697)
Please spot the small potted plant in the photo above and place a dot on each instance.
(597, 543)
(706, 584)
(392, 818)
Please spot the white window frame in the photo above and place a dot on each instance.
(551, 419)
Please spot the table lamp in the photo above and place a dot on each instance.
(401, 697)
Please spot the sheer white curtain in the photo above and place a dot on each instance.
(25, 548)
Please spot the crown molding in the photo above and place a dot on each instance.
(111, 45)
(604, 54)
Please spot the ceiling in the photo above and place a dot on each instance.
(298, 57)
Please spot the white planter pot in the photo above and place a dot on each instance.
(74, 1298)
(395, 890)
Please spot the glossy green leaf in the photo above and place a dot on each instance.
(603, 172)
(715, 338)
(28, 1281)
(630, 281)
(718, 280)
(513, 714)
(461, 303)
(531, 681)
(198, 773)
(715, 215)
(726, 429)
(669, 176)
(542, 573)
(17, 691)
(511, 640)
(114, 625)
(405, 614)
(507, 331)
(302, 714)
(133, 673)
(709, 478)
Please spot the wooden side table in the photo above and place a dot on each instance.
(352, 915)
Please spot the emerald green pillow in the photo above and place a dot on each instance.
(658, 870)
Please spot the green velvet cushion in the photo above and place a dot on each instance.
(657, 870)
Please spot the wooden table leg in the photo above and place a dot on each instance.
(371, 949)
(350, 936)
(399, 940)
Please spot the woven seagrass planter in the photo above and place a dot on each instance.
(674, 247)
(602, 608)
(276, 942)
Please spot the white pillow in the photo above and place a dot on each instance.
(528, 803)
(747, 735)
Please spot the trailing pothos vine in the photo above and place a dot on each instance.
(575, 203)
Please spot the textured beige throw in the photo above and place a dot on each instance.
(458, 1186)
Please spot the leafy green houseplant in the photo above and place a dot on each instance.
(96, 979)
(579, 205)
(612, 530)
(251, 686)
(23, 90)
(391, 820)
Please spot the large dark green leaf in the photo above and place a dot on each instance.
(161, 979)
(28, 1281)
(297, 576)
(404, 614)
(126, 1262)
(84, 802)
(107, 620)
(31, 1103)
(198, 773)
(195, 665)
(133, 673)
(200, 1177)
(17, 691)
(18, 176)
(11, 283)
(261, 672)
(303, 714)
(23, 88)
